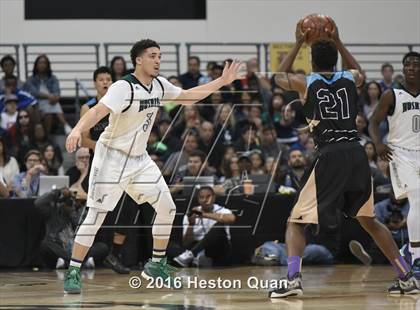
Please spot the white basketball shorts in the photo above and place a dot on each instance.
(113, 172)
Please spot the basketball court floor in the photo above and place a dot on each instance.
(337, 287)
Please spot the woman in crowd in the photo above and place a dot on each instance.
(258, 162)
(41, 141)
(9, 166)
(370, 150)
(52, 161)
(227, 127)
(22, 135)
(371, 97)
(44, 86)
(118, 68)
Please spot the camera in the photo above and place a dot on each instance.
(196, 212)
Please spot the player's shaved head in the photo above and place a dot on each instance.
(324, 55)
(139, 47)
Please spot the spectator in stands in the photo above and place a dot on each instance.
(154, 145)
(208, 144)
(269, 144)
(310, 150)
(172, 108)
(24, 99)
(387, 71)
(191, 77)
(166, 135)
(8, 64)
(285, 128)
(26, 184)
(292, 174)
(208, 110)
(370, 97)
(256, 81)
(196, 166)
(209, 77)
(52, 160)
(372, 156)
(361, 125)
(257, 161)
(225, 127)
(274, 109)
(40, 141)
(9, 166)
(254, 116)
(303, 137)
(118, 68)
(44, 85)
(62, 214)
(190, 119)
(202, 233)
(381, 177)
(231, 180)
(9, 114)
(248, 139)
(398, 81)
(22, 135)
(228, 154)
(180, 158)
(79, 173)
(270, 166)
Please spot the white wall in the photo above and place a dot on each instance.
(359, 21)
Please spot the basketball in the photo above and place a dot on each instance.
(318, 25)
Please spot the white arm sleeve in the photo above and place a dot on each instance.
(171, 91)
(118, 96)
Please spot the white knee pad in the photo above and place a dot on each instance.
(87, 231)
(413, 218)
(165, 213)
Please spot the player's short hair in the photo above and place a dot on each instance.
(324, 55)
(101, 70)
(139, 47)
(410, 54)
(7, 58)
(386, 65)
(198, 153)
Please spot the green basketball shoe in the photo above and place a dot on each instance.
(159, 269)
(72, 282)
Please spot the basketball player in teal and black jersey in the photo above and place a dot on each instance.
(402, 108)
(340, 171)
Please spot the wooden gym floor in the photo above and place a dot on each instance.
(338, 287)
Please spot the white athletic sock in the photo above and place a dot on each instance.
(415, 253)
(158, 255)
(413, 221)
(75, 263)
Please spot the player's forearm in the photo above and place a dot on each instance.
(349, 62)
(88, 120)
(198, 93)
(287, 63)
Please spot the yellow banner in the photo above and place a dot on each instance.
(279, 50)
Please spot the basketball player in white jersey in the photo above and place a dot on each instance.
(402, 107)
(121, 162)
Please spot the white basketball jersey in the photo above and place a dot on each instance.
(404, 123)
(134, 107)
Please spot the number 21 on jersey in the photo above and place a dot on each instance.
(333, 105)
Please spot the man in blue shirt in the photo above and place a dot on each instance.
(25, 99)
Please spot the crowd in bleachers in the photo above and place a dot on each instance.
(246, 128)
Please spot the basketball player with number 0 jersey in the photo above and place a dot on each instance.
(121, 162)
(402, 108)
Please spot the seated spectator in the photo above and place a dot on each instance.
(171, 108)
(191, 77)
(196, 166)
(303, 137)
(118, 68)
(44, 85)
(9, 114)
(291, 176)
(62, 214)
(257, 162)
(52, 161)
(40, 141)
(208, 110)
(225, 127)
(202, 233)
(79, 173)
(372, 156)
(361, 125)
(273, 113)
(254, 116)
(208, 144)
(21, 136)
(8, 64)
(370, 98)
(9, 167)
(285, 128)
(204, 79)
(248, 139)
(26, 184)
(270, 166)
(24, 100)
(190, 119)
(180, 158)
(393, 213)
(387, 71)
(166, 135)
(256, 81)
(269, 145)
(310, 150)
(232, 179)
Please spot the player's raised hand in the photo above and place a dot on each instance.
(299, 34)
(74, 140)
(384, 152)
(332, 34)
(232, 72)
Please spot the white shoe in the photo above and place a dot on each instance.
(67, 129)
(61, 263)
(356, 248)
(201, 260)
(185, 258)
(90, 263)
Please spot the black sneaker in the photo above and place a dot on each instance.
(293, 288)
(406, 286)
(113, 262)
